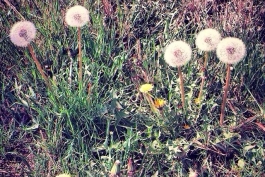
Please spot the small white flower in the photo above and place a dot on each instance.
(193, 174)
(63, 175)
(22, 33)
(231, 50)
(177, 53)
(208, 39)
(77, 16)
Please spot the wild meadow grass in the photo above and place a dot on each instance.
(83, 127)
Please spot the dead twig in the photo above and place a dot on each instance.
(14, 9)
(202, 146)
(250, 119)
(260, 125)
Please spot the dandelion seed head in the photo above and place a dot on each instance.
(177, 53)
(208, 39)
(231, 50)
(22, 33)
(77, 16)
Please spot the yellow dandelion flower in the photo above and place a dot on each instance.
(145, 88)
(197, 101)
(159, 102)
(63, 175)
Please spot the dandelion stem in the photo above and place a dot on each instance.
(130, 169)
(70, 68)
(46, 80)
(203, 77)
(36, 61)
(206, 59)
(107, 134)
(181, 87)
(201, 89)
(226, 88)
(79, 56)
(151, 103)
(70, 72)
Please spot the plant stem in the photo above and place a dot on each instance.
(107, 133)
(36, 61)
(226, 88)
(181, 87)
(151, 103)
(206, 60)
(79, 56)
(203, 76)
(70, 67)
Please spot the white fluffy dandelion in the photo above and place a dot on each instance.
(77, 16)
(177, 53)
(22, 33)
(231, 50)
(208, 39)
